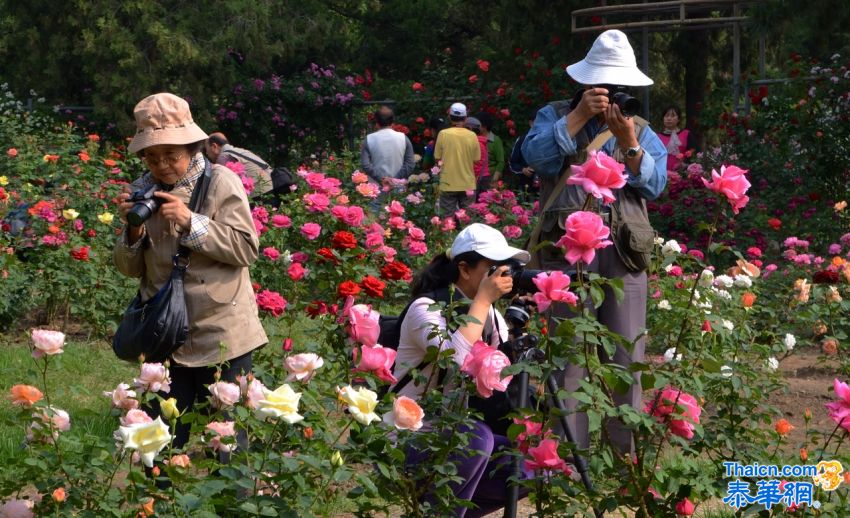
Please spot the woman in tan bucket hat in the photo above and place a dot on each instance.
(223, 242)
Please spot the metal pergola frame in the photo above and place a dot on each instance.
(675, 15)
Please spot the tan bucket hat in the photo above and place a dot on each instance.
(164, 118)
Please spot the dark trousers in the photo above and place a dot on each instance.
(484, 479)
(189, 386)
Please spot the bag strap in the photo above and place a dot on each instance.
(534, 238)
(196, 201)
(246, 157)
(440, 295)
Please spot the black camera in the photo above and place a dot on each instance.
(523, 277)
(145, 205)
(619, 95)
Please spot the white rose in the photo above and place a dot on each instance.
(665, 304)
(706, 279)
(728, 324)
(790, 341)
(147, 438)
(668, 355)
(743, 281)
(723, 281)
(772, 363)
(671, 248)
(726, 371)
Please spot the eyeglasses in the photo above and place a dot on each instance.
(168, 159)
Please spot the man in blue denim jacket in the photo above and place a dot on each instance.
(560, 134)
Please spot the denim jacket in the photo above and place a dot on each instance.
(548, 144)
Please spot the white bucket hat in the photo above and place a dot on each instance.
(488, 242)
(611, 61)
(164, 119)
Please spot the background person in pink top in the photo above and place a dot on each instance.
(674, 139)
(480, 167)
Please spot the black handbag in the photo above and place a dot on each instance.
(151, 331)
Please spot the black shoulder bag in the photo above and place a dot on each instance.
(154, 329)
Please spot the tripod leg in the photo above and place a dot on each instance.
(580, 463)
(513, 491)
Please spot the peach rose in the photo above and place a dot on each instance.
(181, 461)
(302, 366)
(406, 414)
(122, 397)
(59, 495)
(135, 416)
(25, 395)
(153, 378)
(224, 394)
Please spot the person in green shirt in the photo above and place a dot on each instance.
(495, 147)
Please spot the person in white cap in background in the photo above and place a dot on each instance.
(458, 149)
(561, 135)
(466, 267)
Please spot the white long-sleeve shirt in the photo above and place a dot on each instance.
(414, 341)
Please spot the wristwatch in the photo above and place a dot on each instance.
(632, 151)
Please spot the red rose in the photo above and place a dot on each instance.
(826, 277)
(348, 288)
(417, 87)
(395, 271)
(80, 253)
(373, 286)
(316, 308)
(484, 66)
(272, 302)
(343, 239)
(92, 233)
(774, 223)
(328, 255)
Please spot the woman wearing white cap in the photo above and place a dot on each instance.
(466, 266)
(562, 134)
(220, 302)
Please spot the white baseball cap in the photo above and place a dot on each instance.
(611, 61)
(458, 110)
(488, 242)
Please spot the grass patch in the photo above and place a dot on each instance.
(76, 381)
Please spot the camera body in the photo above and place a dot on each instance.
(145, 205)
(619, 95)
(523, 277)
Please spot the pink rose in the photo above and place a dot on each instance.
(252, 388)
(224, 394)
(310, 231)
(512, 231)
(396, 222)
(416, 233)
(281, 221)
(552, 287)
(316, 202)
(153, 378)
(296, 271)
(368, 190)
(302, 367)
(122, 397)
(485, 364)
(585, 233)
(732, 183)
(416, 248)
(299, 257)
(377, 360)
(395, 208)
(135, 416)
(406, 414)
(545, 457)
(839, 411)
(533, 430)
(374, 239)
(685, 508)
(681, 418)
(47, 342)
(271, 253)
(47, 423)
(598, 176)
(448, 225)
(363, 325)
(220, 431)
(359, 177)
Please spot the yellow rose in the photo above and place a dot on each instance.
(168, 408)
(105, 218)
(4, 181)
(70, 214)
(336, 459)
(146, 438)
(281, 403)
(361, 403)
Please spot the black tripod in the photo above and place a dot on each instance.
(522, 347)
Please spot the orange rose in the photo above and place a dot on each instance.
(109, 162)
(804, 454)
(59, 495)
(748, 299)
(829, 346)
(25, 395)
(744, 268)
(406, 414)
(181, 461)
(782, 427)
(147, 508)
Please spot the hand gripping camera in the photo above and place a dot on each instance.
(619, 95)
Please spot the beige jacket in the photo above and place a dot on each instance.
(219, 297)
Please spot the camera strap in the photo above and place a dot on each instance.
(196, 201)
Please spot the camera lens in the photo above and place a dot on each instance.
(141, 212)
(627, 104)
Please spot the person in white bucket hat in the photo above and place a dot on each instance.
(563, 134)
